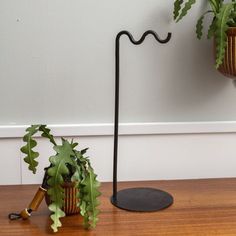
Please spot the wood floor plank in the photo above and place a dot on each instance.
(201, 208)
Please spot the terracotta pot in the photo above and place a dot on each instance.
(228, 67)
(70, 201)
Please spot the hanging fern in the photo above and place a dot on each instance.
(222, 19)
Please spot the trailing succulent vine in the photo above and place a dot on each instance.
(67, 164)
(223, 16)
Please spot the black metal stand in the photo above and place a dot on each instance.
(134, 199)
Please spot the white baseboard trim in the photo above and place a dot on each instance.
(106, 129)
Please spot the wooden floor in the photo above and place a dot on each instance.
(201, 208)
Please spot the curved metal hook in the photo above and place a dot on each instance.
(149, 32)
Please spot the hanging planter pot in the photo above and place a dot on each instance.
(228, 67)
(222, 29)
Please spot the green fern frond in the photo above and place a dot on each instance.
(56, 172)
(199, 26)
(222, 19)
(28, 148)
(212, 29)
(214, 6)
(177, 8)
(186, 8)
(218, 4)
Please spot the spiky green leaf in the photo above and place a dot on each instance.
(74, 144)
(31, 155)
(57, 214)
(185, 9)
(46, 133)
(89, 193)
(56, 172)
(84, 151)
(77, 173)
(222, 19)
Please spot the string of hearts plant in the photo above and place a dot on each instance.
(223, 15)
(68, 164)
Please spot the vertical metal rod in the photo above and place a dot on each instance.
(116, 126)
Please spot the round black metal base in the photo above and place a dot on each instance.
(142, 199)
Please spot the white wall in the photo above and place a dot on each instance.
(57, 67)
(57, 64)
(206, 154)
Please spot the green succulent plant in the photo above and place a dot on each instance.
(67, 163)
(223, 16)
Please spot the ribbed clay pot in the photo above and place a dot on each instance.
(228, 67)
(70, 201)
